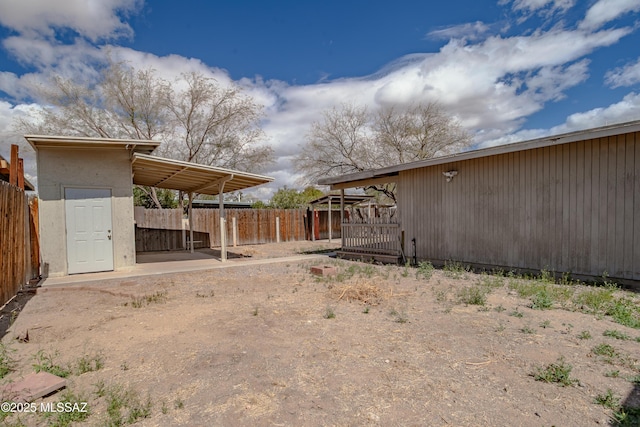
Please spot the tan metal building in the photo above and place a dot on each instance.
(566, 203)
(85, 187)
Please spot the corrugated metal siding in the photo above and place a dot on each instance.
(573, 207)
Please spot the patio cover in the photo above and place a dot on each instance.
(327, 199)
(190, 177)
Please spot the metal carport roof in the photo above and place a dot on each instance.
(190, 177)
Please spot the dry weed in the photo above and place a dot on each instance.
(360, 290)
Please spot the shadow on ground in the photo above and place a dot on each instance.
(629, 413)
(182, 255)
(9, 313)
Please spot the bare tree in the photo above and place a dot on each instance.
(215, 125)
(349, 140)
(198, 120)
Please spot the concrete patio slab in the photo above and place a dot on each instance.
(170, 265)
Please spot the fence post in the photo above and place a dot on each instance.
(234, 224)
(277, 229)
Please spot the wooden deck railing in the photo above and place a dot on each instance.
(373, 238)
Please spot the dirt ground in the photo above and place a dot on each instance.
(274, 345)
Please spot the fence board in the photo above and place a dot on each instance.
(18, 232)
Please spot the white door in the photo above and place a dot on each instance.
(88, 220)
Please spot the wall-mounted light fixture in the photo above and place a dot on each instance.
(450, 174)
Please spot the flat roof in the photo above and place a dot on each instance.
(190, 177)
(391, 171)
(82, 142)
(157, 171)
(349, 199)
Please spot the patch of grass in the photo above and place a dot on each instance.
(366, 309)
(612, 374)
(155, 298)
(608, 399)
(7, 363)
(66, 418)
(455, 270)
(441, 295)
(526, 329)
(526, 288)
(255, 311)
(546, 276)
(626, 416)
(45, 362)
(605, 350)
(329, 313)
(584, 335)
(405, 269)
(473, 295)
(558, 372)
(209, 294)
(612, 356)
(499, 309)
(542, 300)
(399, 317)
(517, 313)
(491, 281)
(178, 404)
(616, 334)
(625, 311)
(424, 270)
(101, 388)
(125, 406)
(594, 300)
(88, 363)
(546, 324)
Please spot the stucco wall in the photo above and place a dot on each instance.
(84, 168)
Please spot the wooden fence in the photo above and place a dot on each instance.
(372, 238)
(252, 226)
(19, 245)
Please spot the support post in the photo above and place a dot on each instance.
(341, 217)
(223, 223)
(313, 223)
(329, 215)
(184, 231)
(223, 239)
(190, 222)
(234, 224)
(277, 229)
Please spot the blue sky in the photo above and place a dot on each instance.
(507, 69)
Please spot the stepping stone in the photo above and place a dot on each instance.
(324, 270)
(32, 387)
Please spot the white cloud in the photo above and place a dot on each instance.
(605, 11)
(628, 109)
(470, 31)
(8, 136)
(93, 19)
(624, 76)
(543, 7)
